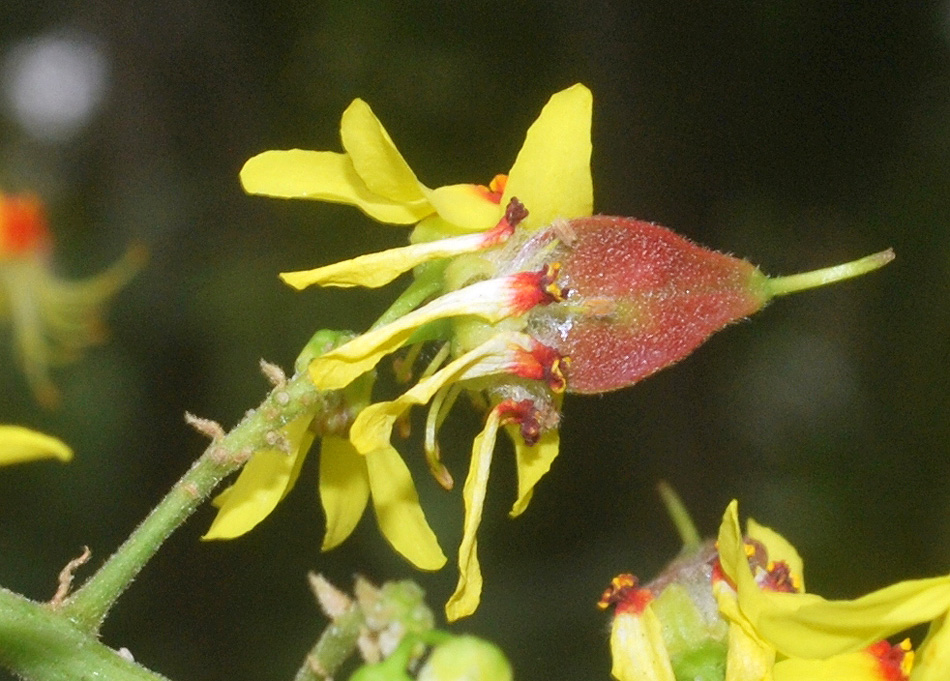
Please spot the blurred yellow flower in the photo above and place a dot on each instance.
(19, 444)
(53, 320)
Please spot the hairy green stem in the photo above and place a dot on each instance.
(39, 643)
(88, 606)
(334, 646)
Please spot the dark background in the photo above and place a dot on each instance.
(797, 134)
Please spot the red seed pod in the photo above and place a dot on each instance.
(641, 297)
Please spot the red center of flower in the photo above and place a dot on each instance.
(624, 594)
(894, 661)
(23, 228)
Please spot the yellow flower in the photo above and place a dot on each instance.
(53, 320)
(738, 611)
(807, 631)
(18, 444)
(476, 283)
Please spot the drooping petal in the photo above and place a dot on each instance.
(809, 626)
(464, 601)
(344, 488)
(375, 158)
(398, 512)
(533, 462)
(492, 300)
(373, 425)
(18, 444)
(551, 175)
(378, 269)
(324, 176)
(266, 479)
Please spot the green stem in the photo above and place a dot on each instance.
(780, 286)
(678, 513)
(335, 645)
(88, 606)
(39, 643)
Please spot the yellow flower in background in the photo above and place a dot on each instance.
(738, 611)
(19, 444)
(53, 320)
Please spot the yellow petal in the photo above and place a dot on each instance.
(779, 548)
(337, 368)
(468, 592)
(858, 666)
(747, 659)
(324, 176)
(375, 158)
(398, 512)
(637, 648)
(466, 206)
(264, 481)
(373, 425)
(551, 175)
(806, 625)
(344, 488)
(378, 269)
(533, 462)
(932, 661)
(18, 444)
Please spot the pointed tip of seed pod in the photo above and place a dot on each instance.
(780, 286)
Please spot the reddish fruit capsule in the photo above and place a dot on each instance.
(641, 297)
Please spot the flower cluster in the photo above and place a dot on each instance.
(524, 293)
(738, 611)
(53, 320)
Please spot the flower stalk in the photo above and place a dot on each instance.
(780, 286)
(88, 605)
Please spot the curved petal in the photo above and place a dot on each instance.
(466, 206)
(19, 444)
(373, 425)
(324, 176)
(493, 300)
(375, 158)
(266, 479)
(378, 269)
(551, 175)
(344, 488)
(398, 512)
(533, 462)
(806, 625)
(464, 601)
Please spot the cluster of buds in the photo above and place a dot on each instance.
(736, 610)
(525, 294)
